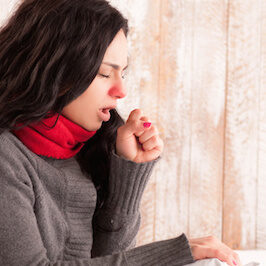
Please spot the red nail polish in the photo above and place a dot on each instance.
(147, 125)
(234, 262)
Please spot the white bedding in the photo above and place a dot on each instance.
(247, 257)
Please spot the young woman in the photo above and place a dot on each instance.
(72, 172)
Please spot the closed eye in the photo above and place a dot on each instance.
(104, 76)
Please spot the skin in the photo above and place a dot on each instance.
(103, 91)
(134, 142)
(212, 247)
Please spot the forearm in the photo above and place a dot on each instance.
(117, 223)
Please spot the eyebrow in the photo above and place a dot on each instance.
(116, 67)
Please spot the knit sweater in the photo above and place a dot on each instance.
(48, 213)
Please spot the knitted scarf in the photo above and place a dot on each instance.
(63, 141)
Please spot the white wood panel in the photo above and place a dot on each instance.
(172, 182)
(142, 86)
(261, 211)
(207, 135)
(240, 184)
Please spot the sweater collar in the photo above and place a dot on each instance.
(62, 141)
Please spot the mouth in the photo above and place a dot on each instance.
(105, 114)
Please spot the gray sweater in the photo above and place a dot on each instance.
(48, 214)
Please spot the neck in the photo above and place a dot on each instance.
(62, 141)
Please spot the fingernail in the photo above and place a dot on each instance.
(234, 262)
(147, 125)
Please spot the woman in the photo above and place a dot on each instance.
(72, 172)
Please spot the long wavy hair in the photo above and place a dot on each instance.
(50, 52)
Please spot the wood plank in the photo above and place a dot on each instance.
(192, 39)
(7, 7)
(142, 86)
(172, 182)
(207, 132)
(261, 211)
(240, 184)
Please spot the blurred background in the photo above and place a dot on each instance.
(198, 71)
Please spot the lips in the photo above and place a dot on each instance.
(108, 107)
(104, 112)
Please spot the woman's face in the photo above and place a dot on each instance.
(92, 107)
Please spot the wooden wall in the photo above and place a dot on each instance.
(198, 70)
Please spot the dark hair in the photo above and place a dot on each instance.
(50, 52)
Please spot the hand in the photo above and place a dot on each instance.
(211, 247)
(137, 143)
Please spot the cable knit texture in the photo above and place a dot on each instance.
(48, 214)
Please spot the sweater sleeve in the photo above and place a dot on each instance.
(117, 223)
(21, 241)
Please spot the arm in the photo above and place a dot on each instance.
(21, 242)
(117, 223)
(137, 149)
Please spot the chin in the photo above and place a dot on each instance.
(95, 128)
(89, 128)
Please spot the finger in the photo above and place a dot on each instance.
(134, 115)
(141, 127)
(152, 154)
(134, 124)
(150, 143)
(234, 256)
(132, 128)
(237, 259)
(144, 118)
(221, 255)
(152, 131)
(153, 143)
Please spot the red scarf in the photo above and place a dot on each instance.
(63, 141)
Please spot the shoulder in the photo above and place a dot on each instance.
(15, 158)
(10, 144)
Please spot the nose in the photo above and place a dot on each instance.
(118, 90)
